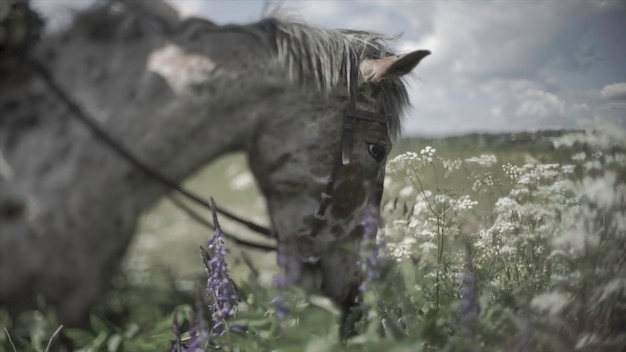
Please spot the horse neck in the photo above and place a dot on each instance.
(176, 131)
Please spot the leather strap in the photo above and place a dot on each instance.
(343, 157)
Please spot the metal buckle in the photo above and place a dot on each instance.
(320, 213)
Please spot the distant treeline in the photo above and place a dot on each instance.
(538, 141)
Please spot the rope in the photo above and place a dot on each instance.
(105, 138)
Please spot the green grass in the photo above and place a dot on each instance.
(542, 249)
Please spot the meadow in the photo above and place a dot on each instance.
(485, 243)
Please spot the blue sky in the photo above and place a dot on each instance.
(496, 65)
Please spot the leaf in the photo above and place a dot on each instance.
(114, 343)
(97, 324)
(131, 331)
(79, 337)
(96, 343)
(320, 344)
(253, 323)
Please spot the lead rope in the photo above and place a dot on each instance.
(105, 138)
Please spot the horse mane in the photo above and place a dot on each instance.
(323, 59)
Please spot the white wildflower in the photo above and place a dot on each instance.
(431, 275)
(506, 205)
(465, 203)
(601, 191)
(511, 171)
(507, 249)
(619, 222)
(619, 159)
(585, 340)
(398, 251)
(451, 165)
(403, 162)
(579, 157)
(614, 287)
(441, 199)
(406, 191)
(552, 302)
(242, 181)
(401, 249)
(529, 160)
(519, 193)
(427, 247)
(399, 223)
(233, 169)
(488, 180)
(421, 206)
(414, 223)
(592, 165)
(529, 177)
(388, 207)
(575, 240)
(548, 171)
(428, 234)
(503, 227)
(486, 160)
(408, 241)
(427, 153)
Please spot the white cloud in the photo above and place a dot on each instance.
(615, 91)
(497, 66)
(317, 11)
(189, 8)
(59, 13)
(541, 104)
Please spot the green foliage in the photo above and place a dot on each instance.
(532, 243)
(133, 317)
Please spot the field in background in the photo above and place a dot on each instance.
(168, 239)
(488, 242)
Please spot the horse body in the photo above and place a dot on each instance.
(276, 90)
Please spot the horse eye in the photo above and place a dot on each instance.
(377, 151)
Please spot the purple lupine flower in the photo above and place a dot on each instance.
(470, 307)
(281, 281)
(199, 329)
(282, 309)
(238, 329)
(176, 345)
(370, 221)
(469, 310)
(523, 339)
(221, 292)
(372, 248)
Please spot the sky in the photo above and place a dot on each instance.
(496, 66)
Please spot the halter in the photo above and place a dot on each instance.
(343, 157)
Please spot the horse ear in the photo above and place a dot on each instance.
(390, 67)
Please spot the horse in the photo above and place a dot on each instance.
(316, 111)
